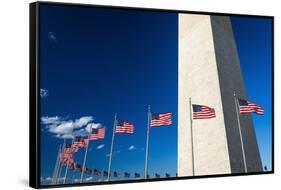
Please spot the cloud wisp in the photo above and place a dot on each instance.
(63, 128)
(44, 93)
(100, 146)
(132, 147)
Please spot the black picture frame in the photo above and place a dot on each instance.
(34, 94)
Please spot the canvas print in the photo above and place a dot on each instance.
(133, 94)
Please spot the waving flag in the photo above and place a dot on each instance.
(79, 142)
(105, 173)
(67, 149)
(247, 107)
(124, 127)
(77, 168)
(115, 174)
(162, 119)
(126, 174)
(96, 172)
(137, 175)
(203, 112)
(97, 134)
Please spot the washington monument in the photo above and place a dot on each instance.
(210, 74)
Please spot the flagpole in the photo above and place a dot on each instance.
(147, 143)
(111, 148)
(85, 158)
(63, 146)
(191, 136)
(67, 166)
(240, 134)
(55, 173)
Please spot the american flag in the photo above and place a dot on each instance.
(124, 127)
(203, 112)
(79, 142)
(162, 119)
(67, 149)
(137, 175)
(97, 134)
(126, 174)
(115, 174)
(105, 173)
(78, 168)
(247, 107)
(96, 172)
(67, 159)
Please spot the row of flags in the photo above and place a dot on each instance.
(67, 159)
(126, 127)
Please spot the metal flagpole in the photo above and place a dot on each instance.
(111, 149)
(147, 143)
(240, 134)
(85, 158)
(67, 166)
(55, 173)
(191, 136)
(58, 178)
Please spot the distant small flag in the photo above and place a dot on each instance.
(68, 149)
(105, 173)
(97, 134)
(247, 107)
(157, 175)
(72, 166)
(96, 172)
(124, 127)
(168, 175)
(203, 112)
(78, 168)
(137, 175)
(126, 174)
(162, 119)
(115, 174)
(87, 170)
(79, 142)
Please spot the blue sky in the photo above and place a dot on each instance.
(95, 62)
(253, 41)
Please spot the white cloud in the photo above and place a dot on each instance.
(44, 93)
(100, 146)
(62, 128)
(52, 36)
(50, 120)
(132, 147)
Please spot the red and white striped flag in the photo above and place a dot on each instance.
(124, 127)
(203, 112)
(97, 134)
(162, 119)
(246, 107)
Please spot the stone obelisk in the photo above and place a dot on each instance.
(209, 73)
